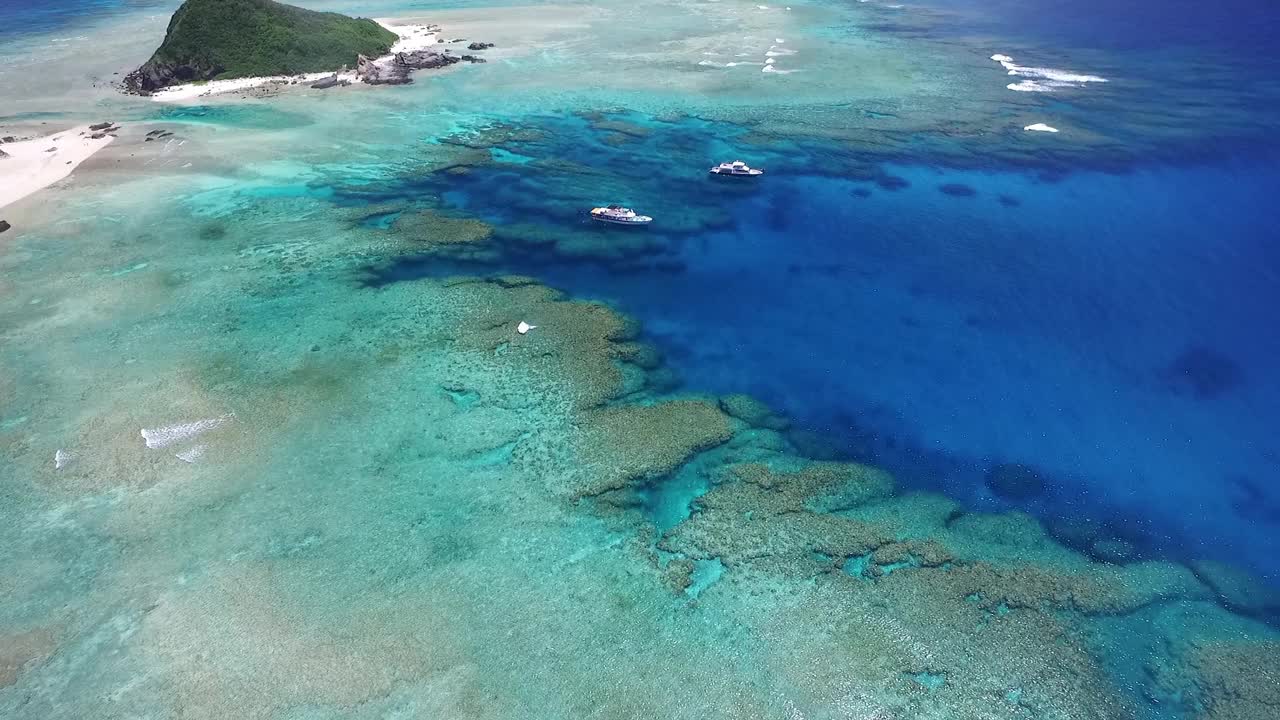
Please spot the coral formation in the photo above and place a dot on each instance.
(1239, 680)
(752, 412)
(626, 444)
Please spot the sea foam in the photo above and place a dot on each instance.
(192, 454)
(162, 437)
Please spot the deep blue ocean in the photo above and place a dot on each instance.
(1109, 324)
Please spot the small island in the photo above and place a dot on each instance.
(226, 39)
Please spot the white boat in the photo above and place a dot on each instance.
(619, 215)
(737, 168)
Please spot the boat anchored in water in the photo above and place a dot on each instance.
(619, 215)
(737, 168)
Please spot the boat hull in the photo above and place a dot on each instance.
(616, 221)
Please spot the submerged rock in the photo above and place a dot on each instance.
(1015, 481)
(17, 651)
(1203, 371)
(957, 190)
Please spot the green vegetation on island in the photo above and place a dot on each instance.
(221, 39)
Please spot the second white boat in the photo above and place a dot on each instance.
(618, 215)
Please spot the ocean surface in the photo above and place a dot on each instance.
(942, 417)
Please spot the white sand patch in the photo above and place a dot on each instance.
(1040, 127)
(412, 37)
(162, 437)
(36, 164)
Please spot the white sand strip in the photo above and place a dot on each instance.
(190, 91)
(412, 37)
(32, 166)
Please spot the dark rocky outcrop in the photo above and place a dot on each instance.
(156, 75)
(396, 70)
(4, 225)
(325, 83)
(479, 46)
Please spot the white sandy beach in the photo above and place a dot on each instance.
(412, 37)
(38, 163)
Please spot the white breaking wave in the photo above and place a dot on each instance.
(1029, 86)
(60, 459)
(1040, 127)
(162, 437)
(190, 456)
(1040, 79)
(772, 69)
(776, 51)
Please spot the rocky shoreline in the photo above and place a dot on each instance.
(418, 49)
(398, 68)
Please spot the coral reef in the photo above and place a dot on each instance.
(628, 444)
(435, 230)
(752, 412)
(1238, 680)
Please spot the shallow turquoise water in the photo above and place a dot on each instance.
(274, 447)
